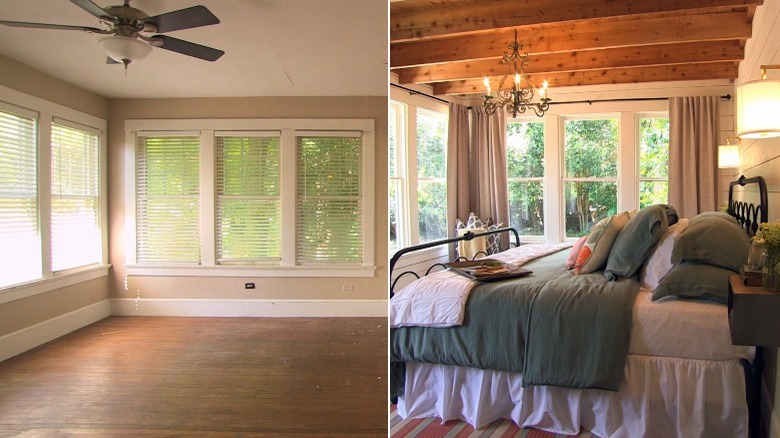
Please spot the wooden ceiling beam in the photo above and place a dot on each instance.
(640, 56)
(484, 17)
(695, 71)
(574, 36)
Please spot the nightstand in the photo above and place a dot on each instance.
(753, 315)
(753, 320)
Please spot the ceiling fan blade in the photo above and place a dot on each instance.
(51, 26)
(195, 16)
(187, 48)
(90, 7)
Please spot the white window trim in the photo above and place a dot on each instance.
(289, 129)
(45, 112)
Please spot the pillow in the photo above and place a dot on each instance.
(713, 238)
(695, 280)
(660, 260)
(575, 251)
(637, 239)
(594, 253)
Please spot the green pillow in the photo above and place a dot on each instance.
(713, 238)
(693, 280)
(637, 239)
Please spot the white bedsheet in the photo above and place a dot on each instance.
(683, 328)
(659, 398)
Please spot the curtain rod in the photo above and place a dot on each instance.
(411, 91)
(589, 101)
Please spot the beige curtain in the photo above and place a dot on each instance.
(694, 126)
(487, 187)
(458, 165)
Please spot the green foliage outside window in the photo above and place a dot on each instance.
(431, 173)
(525, 159)
(591, 152)
(653, 161)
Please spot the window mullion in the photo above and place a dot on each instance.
(288, 188)
(207, 199)
(44, 191)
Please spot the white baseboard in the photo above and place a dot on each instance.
(248, 308)
(28, 338)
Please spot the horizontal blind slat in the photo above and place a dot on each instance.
(76, 238)
(168, 206)
(20, 248)
(248, 199)
(330, 213)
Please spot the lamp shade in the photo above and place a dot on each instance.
(758, 106)
(122, 49)
(728, 156)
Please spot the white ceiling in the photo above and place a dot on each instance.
(272, 48)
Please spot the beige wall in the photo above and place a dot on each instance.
(21, 314)
(759, 158)
(28, 80)
(249, 107)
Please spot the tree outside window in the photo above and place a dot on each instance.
(525, 175)
(431, 175)
(590, 173)
(653, 161)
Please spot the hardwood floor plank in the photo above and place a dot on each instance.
(141, 376)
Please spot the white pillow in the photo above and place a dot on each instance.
(660, 261)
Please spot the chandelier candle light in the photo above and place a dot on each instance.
(516, 100)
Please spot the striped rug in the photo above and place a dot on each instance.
(432, 428)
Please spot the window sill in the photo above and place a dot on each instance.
(56, 281)
(251, 271)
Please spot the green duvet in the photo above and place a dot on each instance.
(552, 326)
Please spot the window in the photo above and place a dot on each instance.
(168, 216)
(590, 172)
(417, 171)
(525, 176)
(52, 206)
(76, 238)
(20, 247)
(329, 199)
(249, 199)
(266, 197)
(653, 161)
(431, 175)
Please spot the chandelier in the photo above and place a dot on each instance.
(516, 100)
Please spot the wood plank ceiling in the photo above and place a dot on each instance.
(452, 44)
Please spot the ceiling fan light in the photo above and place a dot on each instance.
(124, 49)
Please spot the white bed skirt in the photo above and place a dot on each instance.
(659, 397)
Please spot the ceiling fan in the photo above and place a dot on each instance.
(133, 32)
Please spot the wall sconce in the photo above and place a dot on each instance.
(758, 104)
(728, 155)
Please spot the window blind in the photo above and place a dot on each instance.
(20, 245)
(248, 200)
(329, 206)
(76, 238)
(167, 192)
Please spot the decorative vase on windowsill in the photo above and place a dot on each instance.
(770, 234)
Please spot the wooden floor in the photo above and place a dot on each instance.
(224, 377)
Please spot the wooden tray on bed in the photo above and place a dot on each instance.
(487, 270)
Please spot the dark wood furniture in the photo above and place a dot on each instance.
(753, 321)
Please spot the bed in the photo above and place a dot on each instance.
(614, 356)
